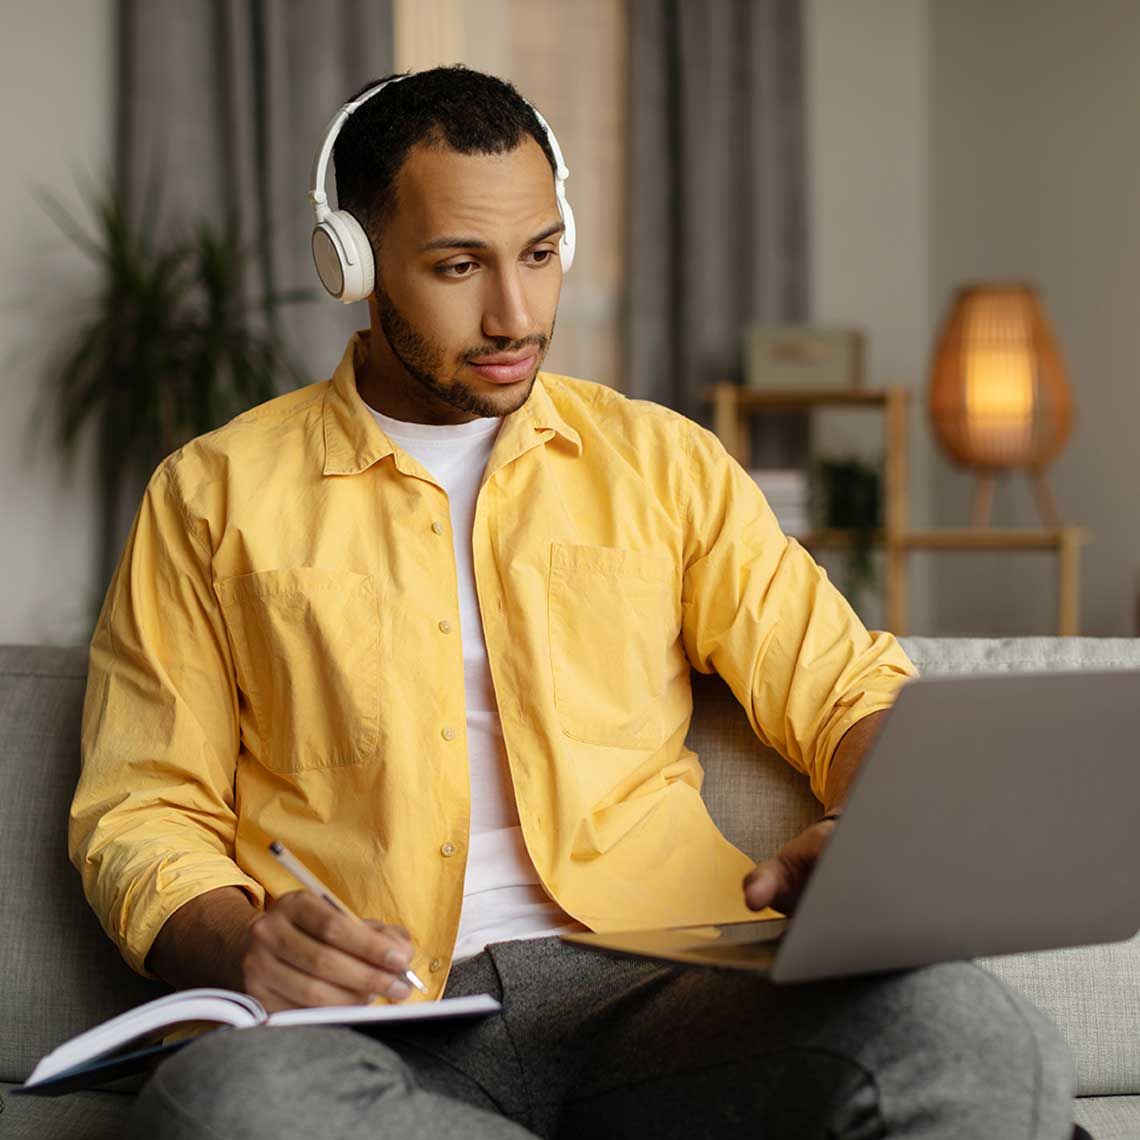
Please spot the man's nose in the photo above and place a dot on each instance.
(506, 313)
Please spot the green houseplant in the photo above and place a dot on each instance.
(852, 500)
(170, 346)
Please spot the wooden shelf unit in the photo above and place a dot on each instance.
(733, 404)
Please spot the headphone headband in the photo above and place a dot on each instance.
(317, 194)
(341, 250)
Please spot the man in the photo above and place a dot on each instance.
(431, 625)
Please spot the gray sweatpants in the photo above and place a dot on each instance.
(594, 1046)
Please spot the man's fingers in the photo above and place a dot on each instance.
(398, 943)
(402, 931)
(778, 882)
(309, 952)
(377, 945)
(763, 883)
(779, 887)
(293, 962)
(289, 988)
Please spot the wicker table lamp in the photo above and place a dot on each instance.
(998, 394)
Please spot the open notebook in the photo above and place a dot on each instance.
(127, 1044)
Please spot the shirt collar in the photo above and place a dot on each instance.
(354, 440)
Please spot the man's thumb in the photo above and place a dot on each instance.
(761, 884)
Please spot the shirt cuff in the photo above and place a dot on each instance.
(878, 694)
(144, 916)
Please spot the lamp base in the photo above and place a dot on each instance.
(984, 497)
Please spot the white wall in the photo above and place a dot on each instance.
(1037, 177)
(56, 59)
(954, 142)
(868, 78)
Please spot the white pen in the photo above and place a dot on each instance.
(306, 877)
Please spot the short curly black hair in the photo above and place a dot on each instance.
(467, 110)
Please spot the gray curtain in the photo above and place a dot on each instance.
(230, 98)
(716, 208)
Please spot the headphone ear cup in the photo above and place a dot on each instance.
(569, 236)
(328, 258)
(363, 275)
(343, 257)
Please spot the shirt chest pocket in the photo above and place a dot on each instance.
(306, 647)
(612, 616)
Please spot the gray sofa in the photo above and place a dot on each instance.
(61, 974)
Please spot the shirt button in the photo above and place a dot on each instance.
(448, 733)
(435, 964)
(447, 849)
(437, 527)
(445, 626)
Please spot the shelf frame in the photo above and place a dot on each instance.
(732, 405)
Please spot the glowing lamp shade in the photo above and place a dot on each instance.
(999, 398)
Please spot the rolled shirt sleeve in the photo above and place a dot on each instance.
(759, 611)
(152, 822)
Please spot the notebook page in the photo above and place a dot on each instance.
(226, 1006)
(474, 1005)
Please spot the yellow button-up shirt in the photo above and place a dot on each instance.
(269, 663)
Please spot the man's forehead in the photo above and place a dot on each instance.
(440, 191)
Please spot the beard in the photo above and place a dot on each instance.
(423, 359)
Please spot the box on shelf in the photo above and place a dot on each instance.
(802, 357)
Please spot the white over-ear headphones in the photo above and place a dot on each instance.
(341, 251)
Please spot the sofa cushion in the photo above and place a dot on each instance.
(1109, 1117)
(934, 655)
(91, 1115)
(62, 974)
(1092, 995)
(759, 801)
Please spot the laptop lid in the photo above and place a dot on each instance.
(996, 813)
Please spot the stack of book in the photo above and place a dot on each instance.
(789, 495)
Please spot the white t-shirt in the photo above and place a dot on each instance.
(502, 895)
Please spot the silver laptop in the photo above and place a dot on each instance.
(995, 814)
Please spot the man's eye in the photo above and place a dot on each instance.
(460, 266)
(545, 254)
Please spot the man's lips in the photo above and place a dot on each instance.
(505, 373)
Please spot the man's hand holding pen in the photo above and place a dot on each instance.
(302, 952)
(308, 948)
